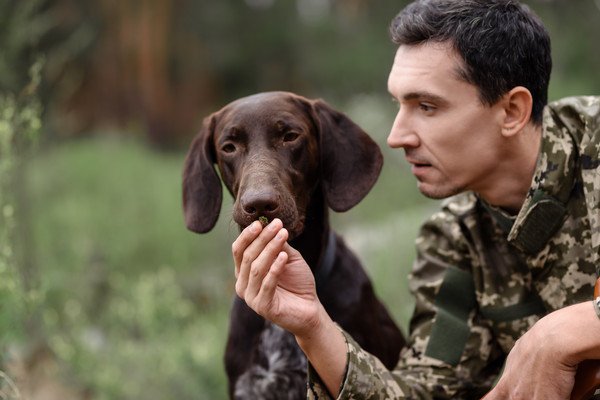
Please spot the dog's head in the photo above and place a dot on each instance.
(272, 150)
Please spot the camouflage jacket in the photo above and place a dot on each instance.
(482, 278)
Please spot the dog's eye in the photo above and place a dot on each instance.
(290, 136)
(228, 148)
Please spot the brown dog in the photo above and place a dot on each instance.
(282, 155)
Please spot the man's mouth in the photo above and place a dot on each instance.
(418, 163)
(418, 167)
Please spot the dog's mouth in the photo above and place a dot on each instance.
(296, 229)
(294, 226)
(267, 203)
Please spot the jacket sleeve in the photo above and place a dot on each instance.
(451, 353)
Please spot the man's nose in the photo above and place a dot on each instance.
(402, 135)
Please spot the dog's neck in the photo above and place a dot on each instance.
(312, 242)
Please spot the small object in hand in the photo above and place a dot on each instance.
(263, 220)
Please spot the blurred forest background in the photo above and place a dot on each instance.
(103, 292)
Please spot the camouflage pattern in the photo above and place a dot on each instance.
(522, 268)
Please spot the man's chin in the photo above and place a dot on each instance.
(437, 192)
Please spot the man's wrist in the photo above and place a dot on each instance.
(326, 350)
(317, 330)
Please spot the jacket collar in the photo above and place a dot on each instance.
(544, 208)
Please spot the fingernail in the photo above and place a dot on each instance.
(281, 234)
(254, 226)
(276, 224)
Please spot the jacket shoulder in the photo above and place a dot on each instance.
(579, 115)
(444, 229)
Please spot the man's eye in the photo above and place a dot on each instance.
(228, 148)
(426, 107)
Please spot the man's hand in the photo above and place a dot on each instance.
(274, 279)
(534, 370)
(543, 362)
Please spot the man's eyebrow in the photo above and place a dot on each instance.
(424, 96)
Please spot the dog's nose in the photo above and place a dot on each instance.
(260, 203)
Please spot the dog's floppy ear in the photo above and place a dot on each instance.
(350, 160)
(202, 193)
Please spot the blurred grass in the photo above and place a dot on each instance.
(134, 304)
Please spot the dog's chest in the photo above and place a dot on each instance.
(278, 370)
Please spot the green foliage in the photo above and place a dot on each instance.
(134, 304)
(19, 127)
(330, 49)
(8, 280)
(574, 29)
(19, 123)
(21, 27)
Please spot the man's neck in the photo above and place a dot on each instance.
(510, 185)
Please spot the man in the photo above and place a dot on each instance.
(508, 265)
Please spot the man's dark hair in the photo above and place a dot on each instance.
(502, 42)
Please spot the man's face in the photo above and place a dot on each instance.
(451, 139)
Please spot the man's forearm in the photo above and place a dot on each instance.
(326, 350)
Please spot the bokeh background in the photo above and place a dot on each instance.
(103, 292)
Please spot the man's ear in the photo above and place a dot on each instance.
(517, 104)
